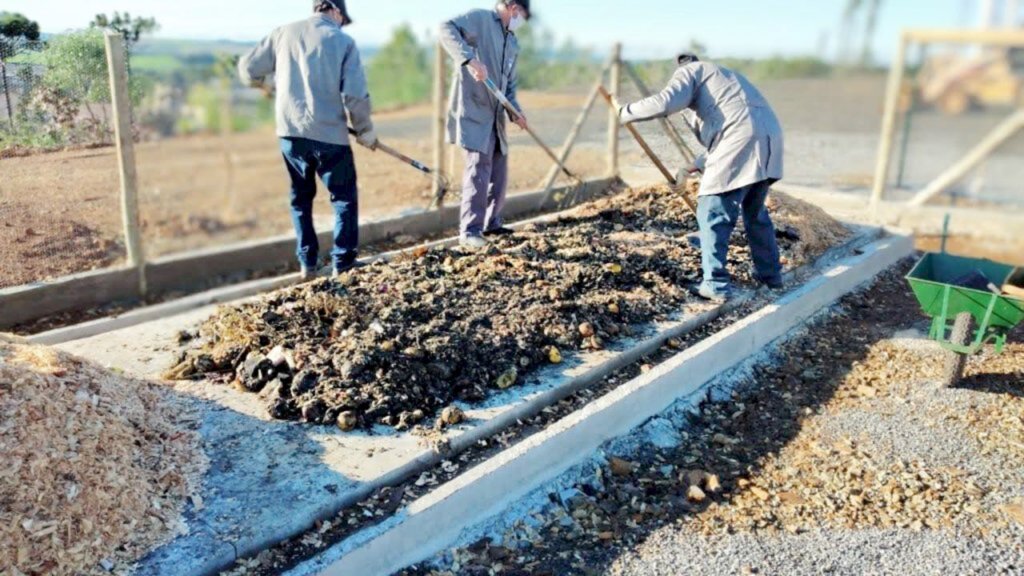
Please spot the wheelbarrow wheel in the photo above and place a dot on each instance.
(961, 336)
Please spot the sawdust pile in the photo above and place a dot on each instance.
(96, 467)
(394, 344)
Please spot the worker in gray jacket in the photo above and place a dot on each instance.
(483, 45)
(320, 89)
(743, 139)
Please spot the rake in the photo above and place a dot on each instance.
(442, 182)
(650, 154)
(577, 182)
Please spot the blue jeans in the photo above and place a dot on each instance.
(718, 216)
(335, 164)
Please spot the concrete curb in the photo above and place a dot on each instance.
(191, 269)
(260, 537)
(436, 520)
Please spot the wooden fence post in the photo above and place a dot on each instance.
(117, 64)
(440, 114)
(892, 104)
(549, 180)
(613, 116)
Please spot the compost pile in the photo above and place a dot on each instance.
(395, 343)
(96, 467)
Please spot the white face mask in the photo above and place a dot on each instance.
(516, 23)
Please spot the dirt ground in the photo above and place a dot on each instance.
(60, 212)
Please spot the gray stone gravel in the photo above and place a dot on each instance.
(869, 552)
(905, 426)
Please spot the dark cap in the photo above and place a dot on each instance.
(339, 4)
(525, 4)
(687, 58)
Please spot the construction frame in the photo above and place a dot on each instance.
(1013, 124)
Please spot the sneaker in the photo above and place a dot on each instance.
(711, 295)
(309, 274)
(473, 243)
(499, 231)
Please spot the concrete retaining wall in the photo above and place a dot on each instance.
(438, 519)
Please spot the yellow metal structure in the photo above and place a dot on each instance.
(954, 83)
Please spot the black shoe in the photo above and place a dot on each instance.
(773, 284)
(499, 231)
(348, 267)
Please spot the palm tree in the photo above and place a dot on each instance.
(851, 15)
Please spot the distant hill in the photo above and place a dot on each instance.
(185, 48)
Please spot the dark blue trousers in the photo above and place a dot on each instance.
(718, 216)
(335, 165)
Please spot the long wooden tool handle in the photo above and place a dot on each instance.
(650, 153)
(640, 140)
(516, 114)
(398, 155)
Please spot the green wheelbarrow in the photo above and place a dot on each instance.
(965, 299)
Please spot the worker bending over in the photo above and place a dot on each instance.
(744, 146)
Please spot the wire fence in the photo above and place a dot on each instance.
(59, 187)
(207, 158)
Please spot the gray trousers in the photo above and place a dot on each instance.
(484, 186)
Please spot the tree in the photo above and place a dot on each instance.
(851, 15)
(131, 28)
(17, 33)
(400, 72)
(76, 77)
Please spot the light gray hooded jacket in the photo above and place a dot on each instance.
(319, 80)
(733, 121)
(473, 112)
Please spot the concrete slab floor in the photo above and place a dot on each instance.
(270, 480)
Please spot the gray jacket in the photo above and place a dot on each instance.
(473, 113)
(733, 121)
(319, 80)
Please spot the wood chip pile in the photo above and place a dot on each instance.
(96, 467)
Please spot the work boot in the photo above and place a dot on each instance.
(473, 243)
(499, 231)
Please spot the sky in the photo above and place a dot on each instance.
(647, 28)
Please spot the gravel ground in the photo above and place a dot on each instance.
(840, 457)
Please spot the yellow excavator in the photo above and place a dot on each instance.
(955, 83)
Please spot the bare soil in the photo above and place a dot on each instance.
(60, 211)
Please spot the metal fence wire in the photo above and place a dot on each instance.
(58, 172)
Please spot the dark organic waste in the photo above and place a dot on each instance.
(396, 343)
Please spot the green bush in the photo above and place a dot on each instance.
(400, 73)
